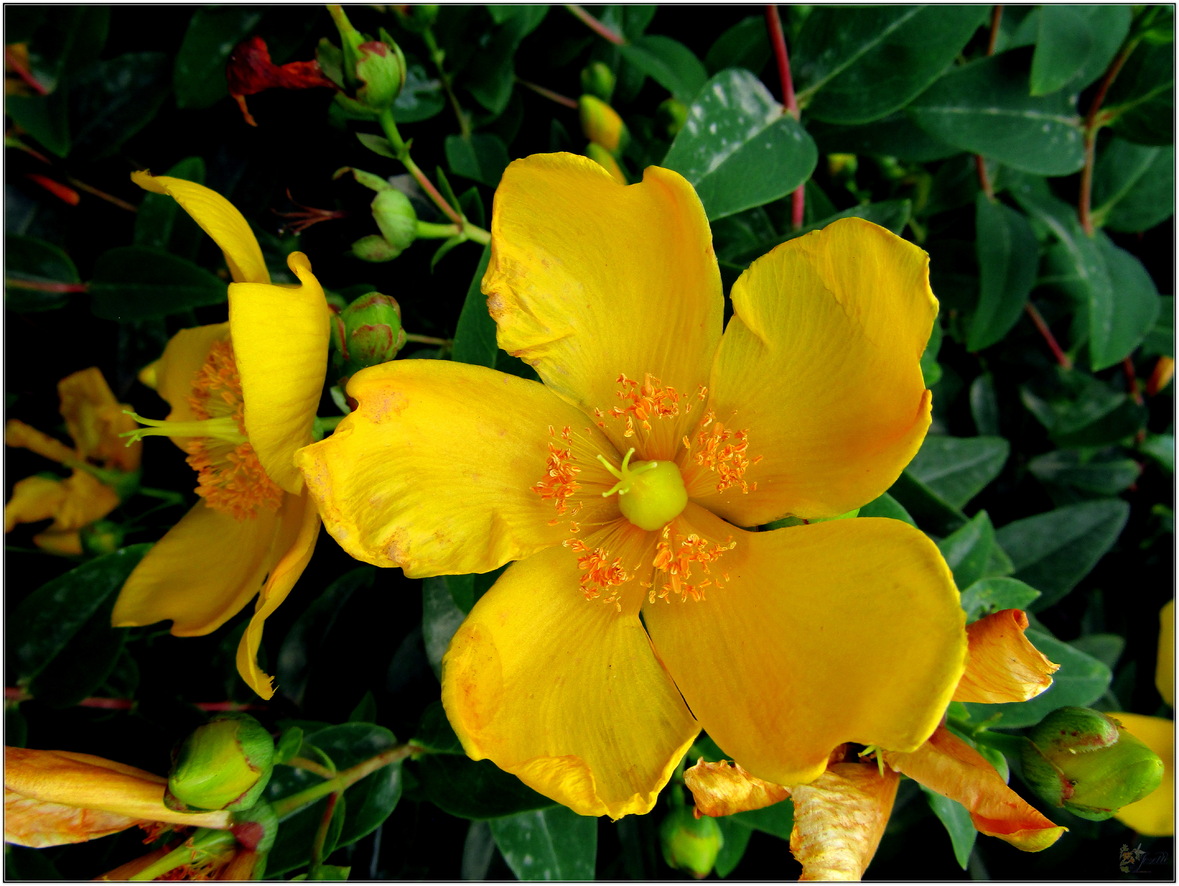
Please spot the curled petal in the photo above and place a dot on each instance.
(725, 788)
(95, 419)
(954, 769)
(54, 797)
(839, 819)
(1003, 665)
(219, 219)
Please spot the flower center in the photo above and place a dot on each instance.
(230, 477)
(650, 494)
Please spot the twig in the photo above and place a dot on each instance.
(1061, 357)
(549, 94)
(596, 26)
(789, 103)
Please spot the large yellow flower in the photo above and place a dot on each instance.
(639, 609)
(243, 396)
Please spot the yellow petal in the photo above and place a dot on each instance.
(219, 219)
(95, 419)
(19, 434)
(296, 540)
(184, 355)
(1003, 665)
(86, 499)
(1154, 814)
(820, 634)
(434, 470)
(200, 574)
(1164, 673)
(820, 363)
(280, 344)
(589, 279)
(839, 819)
(564, 692)
(54, 797)
(954, 769)
(64, 544)
(725, 789)
(33, 499)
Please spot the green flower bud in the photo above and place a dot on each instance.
(598, 80)
(369, 333)
(671, 116)
(1085, 761)
(690, 844)
(101, 537)
(396, 219)
(224, 764)
(601, 123)
(374, 248)
(381, 67)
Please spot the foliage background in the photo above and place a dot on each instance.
(1058, 476)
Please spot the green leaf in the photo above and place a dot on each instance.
(155, 222)
(1080, 681)
(776, 819)
(44, 117)
(968, 550)
(133, 283)
(28, 262)
(421, 97)
(958, 468)
(984, 108)
(1101, 474)
(1133, 186)
(474, 335)
(198, 76)
(115, 99)
(888, 507)
(736, 839)
(1160, 447)
(669, 63)
(929, 510)
(1080, 410)
(1161, 339)
(738, 149)
(492, 72)
(46, 623)
(441, 617)
(548, 844)
(956, 820)
(1075, 44)
(1054, 551)
(1142, 98)
(476, 790)
(744, 45)
(1008, 258)
(896, 135)
(989, 595)
(857, 64)
(481, 157)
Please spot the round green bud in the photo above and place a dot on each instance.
(671, 115)
(224, 764)
(369, 332)
(1088, 763)
(395, 217)
(690, 844)
(374, 248)
(381, 67)
(101, 537)
(601, 123)
(598, 80)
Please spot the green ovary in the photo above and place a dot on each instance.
(650, 493)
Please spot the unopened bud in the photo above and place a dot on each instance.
(374, 248)
(601, 123)
(224, 764)
(606, 160)
(1088, 763)
(366, 333)
(690, 844)
(598, 80)
(101, 537)
(381, 68)
(670, 116)
(396, 218)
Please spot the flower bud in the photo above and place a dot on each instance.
(374, 248)
(690, 844)
(598, 80)
(366, 333)
(381, 67)
(671, 116)
(396, 218)
(1088, 763)
(601, 123)
(224, 764)
(606, 160)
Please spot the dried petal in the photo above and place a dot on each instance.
(1003, 665)
(725, 788)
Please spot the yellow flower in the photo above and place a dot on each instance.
(56, 797)
(243, 396)
(94, 420)
(639, 610)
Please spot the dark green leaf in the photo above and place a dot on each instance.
(480, 157)
(1054, 551)
(46, 623)
(420, 99)
(474, 336)
(930, 511)
(155, 222)
(1063, 46)
(1008, 257)
(968, 550)
(548, 844)
(984, 108)
(477, 790)
(1080, 410)
(492, 72)
(28, 262)
(888, 507)
(1142, 98)
(994, 594)
(896, 135)
(1106, 648)
(440, 618)
(114, 99)
(738, 149)
(1102, 474)
(1160, 447)
(198, 76)
(1080, 681)
(133, 283)
(1133, 186)
(736, 839)
(958, 824)
(1161, 339)
(744, 45)
(858, 64)
(958, 468)
(777, 819)
(669, 63)
(44, 117)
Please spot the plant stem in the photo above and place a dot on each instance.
(288, 806)
(549, 94)
(996, 18)
(437, 56)
(429, 340)
(980, 163)
(321, 832)
(789, 103)
(1061, 357)
(596, 26)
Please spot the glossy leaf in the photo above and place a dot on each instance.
(1008, 257)
(857, 64)
(548, 844)
(492, 72)
(737, 148)
(474, 336)
(441, 617)
(968, 550)
(32, 268)
(1100, 475)
(744, 45)
(1075, 44)
(1055, 550)
(989, 595)
(133, 283)
(1142, 98)
(956, 820)
(1133, 186)
(669, 63)
(959, 468)
(984, 108)
(480, 157)
(421, 97)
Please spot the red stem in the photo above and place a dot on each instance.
(1132, 380)
(21, 71)
(596, 26)
(996, 17)
(789, 102)
(549, 94)
(1061, 357)
(1090, 126)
